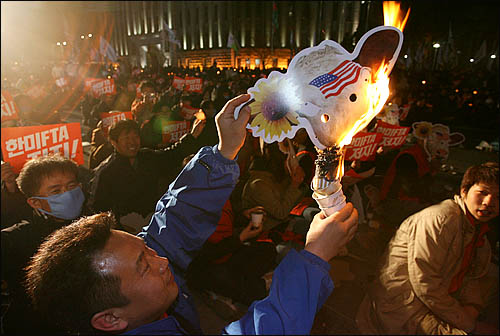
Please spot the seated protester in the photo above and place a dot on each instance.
(435, 275)
(14, 206)
(270, 186)
(142, 106)
(111, 281)
(209, 135)
(406, 188)
(101, 148)
(126, 96)
(53, 191)
(127, 181)
(231, 262)
(105, 105)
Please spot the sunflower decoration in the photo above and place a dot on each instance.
(422, 129)
(273, 114)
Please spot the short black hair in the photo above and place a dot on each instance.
(62, 278)
(36, 169)
(121, 126)
(483, 173)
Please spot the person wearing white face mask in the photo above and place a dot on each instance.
(52, 189)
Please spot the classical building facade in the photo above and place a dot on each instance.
(196, 33)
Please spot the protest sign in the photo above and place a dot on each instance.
(393, 136)
(109, 118)
(9, 108)
(20, 144)
(193, 84)
(172, 131)
(178, 83)
(103, 86)
(363, 146)
(88, 83)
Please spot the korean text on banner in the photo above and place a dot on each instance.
(9, 108)
(88, 83)
(20, 144)
(109, 119)
(172, 131)
(193, 84)
(393, 136)
(103, 86)
(178, 83)
(363, 146)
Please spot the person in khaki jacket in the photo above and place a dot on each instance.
(435, 276)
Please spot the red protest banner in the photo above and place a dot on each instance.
(172, 131)
(9, 108)
(178, 83)
(88, 83)
(193, 84)
(109, 118)
(393, 136)
(19, 144)
(363, 146)
(103, 86)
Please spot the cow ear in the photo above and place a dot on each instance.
(382, 43)
(456, 138)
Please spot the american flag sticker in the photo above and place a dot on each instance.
(333, 82)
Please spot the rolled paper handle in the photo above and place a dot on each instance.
(331, 203)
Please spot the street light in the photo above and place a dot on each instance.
(471, 60)
(436, 45)
(64, 43)
(89, 35)
(82, 36)
(406, 56)
(58, 43)
(493, 56)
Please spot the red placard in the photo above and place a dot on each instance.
(19, 144)
(109, 118)
(178, 83)
(9, 108)
(363, 146)
(393, 136)
(172, 131)
(88, 83)
(193, 84)
(103, 86)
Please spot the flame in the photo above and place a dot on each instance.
(393, 15)
(378, 92)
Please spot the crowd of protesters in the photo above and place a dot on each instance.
(131, 164)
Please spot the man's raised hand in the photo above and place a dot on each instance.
(232, 132)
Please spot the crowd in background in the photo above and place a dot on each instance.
(465, 100)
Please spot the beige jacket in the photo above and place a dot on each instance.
(415, 273)
(278, 199)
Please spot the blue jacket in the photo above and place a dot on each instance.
(187, 215)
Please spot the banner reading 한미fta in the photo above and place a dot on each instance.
(193, 84)
(108, 118)
(9, 108)
(20, 144)
(178, 83)
(363, 146)
(172, 131)
(103, 86)
(393, 136)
